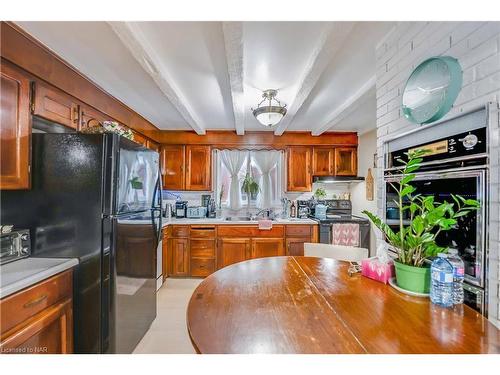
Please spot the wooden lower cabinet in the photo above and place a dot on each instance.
(295, 246)
(232, 250)
(39, 319)
(267, 247)
(180, 256)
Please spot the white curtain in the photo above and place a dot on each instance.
(233, 160)
(265, 161)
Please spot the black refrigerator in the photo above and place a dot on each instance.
(85, 189)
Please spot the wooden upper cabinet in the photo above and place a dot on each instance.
(232, 250)
(91, 117)
(55, 105)
(153, 145)
(139, 138)
(267, 247)
(198, 168)
(15, 129)
(299, 177)
(323, 161)
(346, 161)
(172, 161)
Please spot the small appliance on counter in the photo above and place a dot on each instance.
(320, 211)
(15, 245)
(181, 209)
(198, 212)
(211, 209)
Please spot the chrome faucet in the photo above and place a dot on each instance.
(269, 213)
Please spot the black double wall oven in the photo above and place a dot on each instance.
(456, 163)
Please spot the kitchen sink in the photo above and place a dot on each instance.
(241, 218)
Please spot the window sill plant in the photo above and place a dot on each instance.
(416, 242)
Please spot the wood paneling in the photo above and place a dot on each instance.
(54, 105)
(323, 161)
(180, 231)
(232, 250)
(198, 168)
(257, 138)
(15, 129)
(300, 298)
(23, 50)
(299, 171)
(346, 161)
(298, 230)
(202, 248)
(172, 164)
(267, 247)
(202, 267)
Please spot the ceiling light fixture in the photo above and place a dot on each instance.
(269, 114)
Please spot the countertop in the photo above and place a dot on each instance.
(174, 221)
(23, 273)
(311, 305)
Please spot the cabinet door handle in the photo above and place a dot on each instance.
(36, 301)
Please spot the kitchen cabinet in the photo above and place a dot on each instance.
(202, 250)
(172, 167)
(55, 105)
(295, 246)
(198, 168)
(180, 256)
(299, 176)
(232, 250)
(39, 319)
(139, 138)
(91, 117)
(323, 161)
(267, 247)
(15, 131)
(153, 145)
(346, 161)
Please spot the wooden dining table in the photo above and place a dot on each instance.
(311, 305)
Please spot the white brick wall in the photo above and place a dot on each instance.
(476, 45)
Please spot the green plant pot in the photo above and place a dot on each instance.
(414, 279)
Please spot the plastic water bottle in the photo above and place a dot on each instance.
(458, 276)
(442, 281)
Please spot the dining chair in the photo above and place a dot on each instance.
(337, 252)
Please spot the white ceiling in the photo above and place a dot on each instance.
(208, 75)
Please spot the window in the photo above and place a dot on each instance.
(262, 164)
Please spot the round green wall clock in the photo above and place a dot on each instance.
(432, 89)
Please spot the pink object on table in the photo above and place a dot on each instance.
(375, 269)
(345, 234)
(265, 224)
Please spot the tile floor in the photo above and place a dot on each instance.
(168, 333)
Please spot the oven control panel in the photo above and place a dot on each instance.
(459, 145)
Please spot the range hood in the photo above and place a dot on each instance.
(337, 179)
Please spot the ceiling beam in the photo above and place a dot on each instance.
(233, 41)
(329, 43)
(342, 111)
(138, 45)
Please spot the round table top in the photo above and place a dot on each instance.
(312, 305)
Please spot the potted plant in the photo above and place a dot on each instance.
(251, 188)
(320, 194)
(416, 242)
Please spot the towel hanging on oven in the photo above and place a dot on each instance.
(346, 234)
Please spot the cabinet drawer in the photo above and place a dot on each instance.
(201, 248)
(22, 305)
(249, 231)
(180, 231)
(202, 267)
(298, 230)
(202, 231)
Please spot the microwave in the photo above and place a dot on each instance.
(14, 245)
